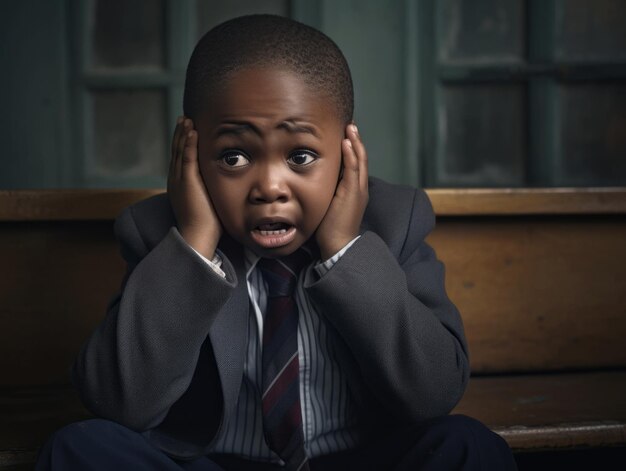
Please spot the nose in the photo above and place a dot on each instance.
(270, 185)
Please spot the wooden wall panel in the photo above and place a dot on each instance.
(538, 293)
(57, 279)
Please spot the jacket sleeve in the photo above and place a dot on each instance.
(404, 333)
(141, 358)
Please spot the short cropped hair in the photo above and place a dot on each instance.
(267, 40)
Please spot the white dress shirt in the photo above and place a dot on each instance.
(329, 422)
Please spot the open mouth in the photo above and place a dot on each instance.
(273, 234)
(274, 228)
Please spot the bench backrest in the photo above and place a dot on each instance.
(541, 285)
(538, 275)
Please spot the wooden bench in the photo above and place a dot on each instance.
(539, 277)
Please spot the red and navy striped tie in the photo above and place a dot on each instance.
(282, 418)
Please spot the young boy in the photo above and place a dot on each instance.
(280, 309)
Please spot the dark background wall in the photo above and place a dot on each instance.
(455, 93)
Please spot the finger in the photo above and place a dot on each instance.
(177, 133)
(186, 127)
(190, 156)
(361, 154)
(175, 139)
(350, 164)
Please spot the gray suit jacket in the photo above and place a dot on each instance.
(167, 359)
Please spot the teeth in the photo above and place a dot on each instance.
(267, 233)
(274, 226)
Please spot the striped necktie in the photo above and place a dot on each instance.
(282, 418)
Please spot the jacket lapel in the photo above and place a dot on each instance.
(229, 332)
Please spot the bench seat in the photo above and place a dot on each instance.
(551, 411)
(29, 415)
(531, 412)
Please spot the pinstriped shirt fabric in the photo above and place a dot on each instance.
(329, 420)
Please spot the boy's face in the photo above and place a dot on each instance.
(270, 156)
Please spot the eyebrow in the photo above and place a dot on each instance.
(235, 128)
(293, 126)
(290, 125)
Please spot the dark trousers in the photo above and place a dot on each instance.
(447, 443)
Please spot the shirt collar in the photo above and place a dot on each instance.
(252, 259)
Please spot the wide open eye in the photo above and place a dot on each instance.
(300, 158)
(234, 159)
